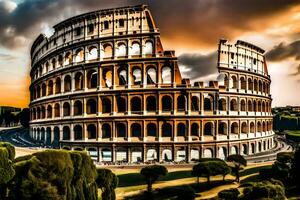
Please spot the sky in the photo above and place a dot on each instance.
(191, 27)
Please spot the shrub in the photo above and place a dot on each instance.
(229, 194)
(107, 181)
(152, 174)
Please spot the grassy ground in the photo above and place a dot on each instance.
(131, 183)
(293, 135)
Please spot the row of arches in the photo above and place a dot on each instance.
(244, 83)
(165, 129)
(185, 153)
(136, 105)
(97, 51)
(89, 80)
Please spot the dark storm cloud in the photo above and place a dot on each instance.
(189, 22)
(199, 65)
(283, 51)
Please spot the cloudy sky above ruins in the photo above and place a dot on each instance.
(192, 28)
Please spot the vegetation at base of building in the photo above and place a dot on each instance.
(285, 119)
(107, 181)
(236, 163)
(229, 194)
(8, 119)
(53, 174)
(210, 167)
(152, 173)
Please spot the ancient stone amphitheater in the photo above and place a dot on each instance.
(103, 83)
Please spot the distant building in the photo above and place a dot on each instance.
(4, 109)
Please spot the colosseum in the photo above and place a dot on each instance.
(103, 83)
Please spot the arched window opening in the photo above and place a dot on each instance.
(207, 104)
(234, 128)
(255, 85)
(49, 111)
(121, 130)
(181, 130)
(79, 55)
(135, 49)
(121, 50)
(56, 110)
(222, 104)
(43, 112)
(195, 129)
(151, 104)
(233, 105)
(250, 84)
(91, 106)
(136, 104)
(92, 131)
(259, 127)
(195, 103)
(243, 105)
(181, 104)
(106, 131)
(259, 106)
(151, 76)
(122, 77)
(167, 104)
(43, 89)
(244, 127)
(243, 83)
(136, 130)
(66, 133)
(78, 81)
(78, 132)
(151, 130)
(252, 127)
(121, 104)
(234, 82)
(107, 77)
(77, 108)
(166, 75)
(93, 53)
(67, 83)
(106, 105)
(50, 87)
(250, 108)
(60, 60)
(222, 128)
(137, 76)
(148, 49)
(107, 51)
(68, 58)
(166, 130)
(92, 76)
(208, 128)
(57, 86)
(66, 109)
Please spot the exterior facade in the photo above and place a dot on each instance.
(103, 83)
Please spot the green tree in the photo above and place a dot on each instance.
(7, 172)
(237, 162)
(272, 189)
(107, 181)
(152, 174)
(295, 172)
(56, 175)
(210, 168)
(229, 194)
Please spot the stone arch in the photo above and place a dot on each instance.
(151, 130)
(57, 85)
(121, 50)
(50, 87)
(250, 107)
(78, 81)
(208, 153)
(244, 128)
(243, 83)
(91, 106)
(78, 135)
(222, 153)
(68, 58)
(195, 103)
(44, 89)
(233, 82)
(151, 103)
(259, 128)
(106, 131)
(137, 76)
(92, 53)
(166, 73)
(57, 110)
(122, 76)
(181, 129)
(222, 128)
(233, 105)
(135, 48)
(136, 130)
(208, 103)
(106, 105)
(121, 130)
(107, 51)
(222, 104)
(92, 78)
(151, 75)
(66, 133)
(167, 130)
(78, 108)
(107, 77)
(234, 128)
(151, 155)
(244, 150)
(55, 142)
(148, 48)
(79, 55)
(121, 104)
(208, 128)
(167, 104)
(92, 131)
(181, 103)
(49, 111)
(67, 83)
(136, 104)
(66, 109)
(252, 127)
(195, 129)
(234, 150)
